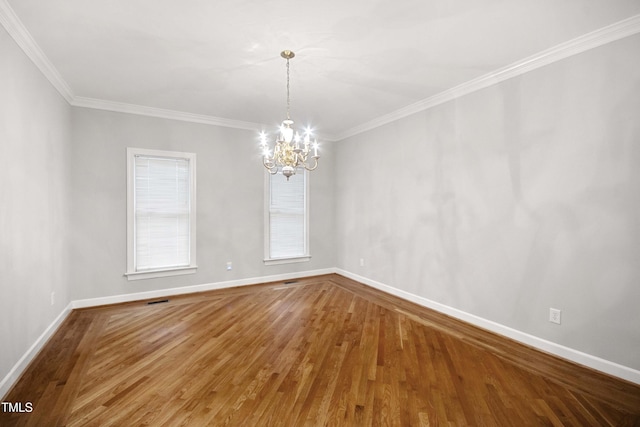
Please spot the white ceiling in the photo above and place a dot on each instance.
(356, 60)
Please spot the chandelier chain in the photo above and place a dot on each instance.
(288, 99)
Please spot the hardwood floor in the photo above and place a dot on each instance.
(321, 351)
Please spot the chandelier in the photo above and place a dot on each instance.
(291, 151)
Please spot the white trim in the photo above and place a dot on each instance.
(23, 39)
(131, 272)
(14, 374)
(121, 107)
(266, 194)
(593, 362)
(18, 369)
(153, 274)
(277, 261)
(590, 361)
(116, 299)
(602, 36)
(267, 222)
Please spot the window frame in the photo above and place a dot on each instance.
(132, 273)
(268, 260)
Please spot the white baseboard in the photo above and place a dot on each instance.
(116, 299)
(576, 356)
(593, 362)
(9, 380)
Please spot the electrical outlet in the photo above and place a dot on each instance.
(361, 262)
(53, 297)
(229, 265)
(554, 315)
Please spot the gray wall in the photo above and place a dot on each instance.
(63, 203)
(511, 200)
(34, 203)
(503, 203)
(230, 197)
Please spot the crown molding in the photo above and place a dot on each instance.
(23, 39)
(121, 107)
(600, 37)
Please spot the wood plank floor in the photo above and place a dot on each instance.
(321, 351)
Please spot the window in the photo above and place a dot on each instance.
(161, 213)
(286, 219)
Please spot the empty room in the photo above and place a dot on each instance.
(330, 213)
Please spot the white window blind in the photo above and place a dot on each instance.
(162, 211)
(287, 216)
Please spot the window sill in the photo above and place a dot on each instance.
(276, 261)
(152, 274)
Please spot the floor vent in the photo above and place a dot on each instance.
(157, 302)
(290, 282)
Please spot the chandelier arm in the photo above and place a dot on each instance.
(315, 164)
(269, 163)
(271, 167)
